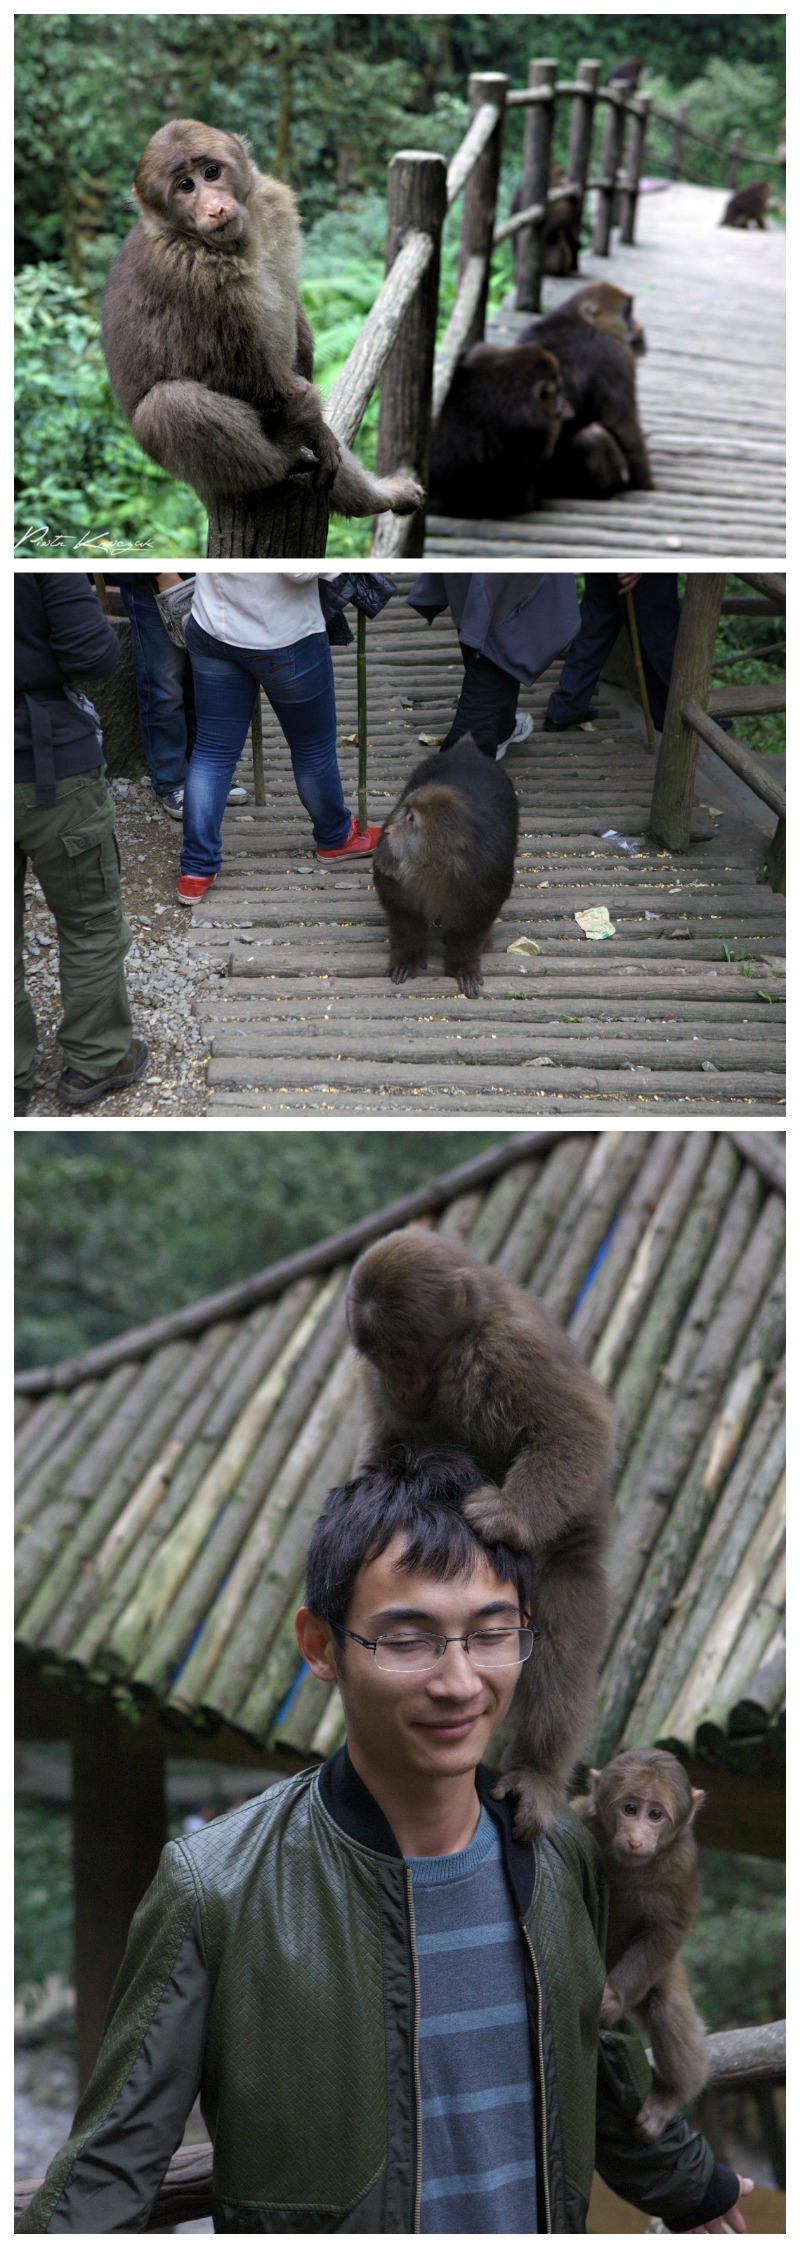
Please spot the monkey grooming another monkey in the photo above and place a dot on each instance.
(500, 421)
(596, 341)
(641, 1811)
(749, 206)
(208, 349)
(457, 1354)
(446, 855)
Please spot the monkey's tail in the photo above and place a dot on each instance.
(677, 2036)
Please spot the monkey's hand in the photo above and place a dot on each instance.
(327, 453)
(653, 2117)
(539, 1801)
(612, 2006)
(489, 1514)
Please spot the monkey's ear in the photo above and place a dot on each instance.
(698, 1799)
(594, 1777)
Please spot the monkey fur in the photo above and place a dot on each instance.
(208, 349)
(596, 340)
(446, 855)
(641, 1811)
(500, 422)
(457, 1354)
(749, 206)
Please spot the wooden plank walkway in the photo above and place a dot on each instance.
(711, 395)
(680, 1013)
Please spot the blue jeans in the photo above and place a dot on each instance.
(298, 683)
(164, 689)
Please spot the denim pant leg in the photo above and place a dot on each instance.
(602, 614)
(299, 684)
(487, 704)
(225, 691)
(163, 688)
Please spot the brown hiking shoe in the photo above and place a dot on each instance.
(75, 1091)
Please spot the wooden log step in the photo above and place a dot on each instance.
(246, 1100)
(522, 1078)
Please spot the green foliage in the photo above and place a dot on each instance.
(43, 1893)
(118, 1227)
(764, 734)
(83, 486)
(736, 1951)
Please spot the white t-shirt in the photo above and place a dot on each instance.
(258, 608)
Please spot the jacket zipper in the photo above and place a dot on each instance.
(542, 2093)
(417, 2178)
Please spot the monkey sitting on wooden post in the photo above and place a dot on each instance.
(445, 858)
(208, 348)
(456, 1354)
(641, 1811)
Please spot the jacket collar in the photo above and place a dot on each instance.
(352, 1808)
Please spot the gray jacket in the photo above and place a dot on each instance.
(520, 623)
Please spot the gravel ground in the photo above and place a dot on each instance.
(164, 978)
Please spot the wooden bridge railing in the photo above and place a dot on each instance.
(741, 2060)
(693, 711)
(396, 346)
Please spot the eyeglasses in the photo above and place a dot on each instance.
(421, 1650)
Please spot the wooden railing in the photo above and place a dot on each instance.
(741, 2060)
(694, 709)
(396, 346)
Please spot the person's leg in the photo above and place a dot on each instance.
(487, 704)
(24, 1019)
(299, 684)
(658, 613)
(72, 849)
(160, 669)
(225, 690)
(602, 614)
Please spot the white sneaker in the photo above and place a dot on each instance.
(523, 727)
(237, 794)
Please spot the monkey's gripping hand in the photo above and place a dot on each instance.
(612, 2006)
(490, 1516)
(327, 453)
(539, 1802)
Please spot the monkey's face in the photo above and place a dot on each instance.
(205, 201)
(410, 1379)
(398, 846)
(638, 1826)
(196, 181)
(608, 309)
(553, 406)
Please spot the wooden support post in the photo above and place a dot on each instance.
(671, 808)
(629, 196)
(539, 123)
(361, 696)
(607, 183)
(418, 202)
(734, 158)
(580, 131)
(480, 194)
(292, 519)
(676, 158)
(119, 1831)
(775, 861)
(257, 742)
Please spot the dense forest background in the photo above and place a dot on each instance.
(325, 101)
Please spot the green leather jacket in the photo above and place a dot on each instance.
(271, 1967)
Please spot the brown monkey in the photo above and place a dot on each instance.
(208, 349)
(500, 422)
(446, 855)
(749, 206)
(562, 239)
(626, 74)
(641, 1811)
(457, 1354)
(596, 341)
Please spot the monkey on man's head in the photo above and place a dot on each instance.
(209, 351)
(641, 1811)
(457, 1354)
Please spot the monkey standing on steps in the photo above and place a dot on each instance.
(641, 1811)
(208, 348)
(446, 856)
(456, 1354)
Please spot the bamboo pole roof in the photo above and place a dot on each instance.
(168, 1482)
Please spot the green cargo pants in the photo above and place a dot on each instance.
(72, 849)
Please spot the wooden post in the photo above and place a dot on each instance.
(291, 519)
(671, 808)
(640, 110)
(118, 1834)
(418, 201)
(775, 861)
(361, 697)
(539, 123)
(580, 131)
(734, 158)
(480, 195)
(609, 167)
(676, 158)
(257, 742)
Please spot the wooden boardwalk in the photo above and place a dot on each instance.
(711, 396)
(681, 1012)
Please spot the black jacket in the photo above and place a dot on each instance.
(60, 634)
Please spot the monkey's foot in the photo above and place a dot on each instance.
(468, 981)
(403, 494)
(653, 2117)
(327, 455)
(489, 1514)
(539, 1801)
(400, 970)
(611, 2007)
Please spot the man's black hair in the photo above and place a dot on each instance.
(415, 1496)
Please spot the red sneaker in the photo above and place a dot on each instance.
(193, 886)
(356, 846)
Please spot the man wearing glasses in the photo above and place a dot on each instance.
(389, 2006)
